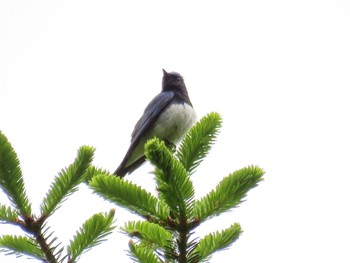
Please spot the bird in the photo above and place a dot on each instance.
(168, 116)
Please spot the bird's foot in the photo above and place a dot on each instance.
(170, 146)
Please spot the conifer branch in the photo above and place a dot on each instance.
(130, 196)
(216, 241)
(175, 189)
(153, 234)
(92, 233)
(142, 253)
(40, 243)
(92, 171)
(173, 183)
(198, 141)
(20, 246)
(45, 247)
(8, 215)
(171, 217)
(67, 181)
(229, 193)
(11, 180)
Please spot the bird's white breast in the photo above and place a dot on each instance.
(174, 122)
(171, 126)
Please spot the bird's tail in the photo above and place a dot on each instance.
(123, 170)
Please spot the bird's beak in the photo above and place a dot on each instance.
(165, 73)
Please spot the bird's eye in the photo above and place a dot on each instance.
(178, 79)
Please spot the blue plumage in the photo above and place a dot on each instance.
(168, 116)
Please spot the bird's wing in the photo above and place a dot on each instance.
(151, 114)
(149, 117)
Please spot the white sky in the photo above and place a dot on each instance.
(81, 72)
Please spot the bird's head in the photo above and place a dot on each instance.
(173, 81)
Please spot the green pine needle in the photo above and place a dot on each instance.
(173, 182)
(153, 234)
(141, 253)
(217, 241)
(92, 171)
(7, 215)
(67, 180)
(91, 234)
(130, 196)
(20, 246)
(198, 141)
(11, 180)
(228, 193)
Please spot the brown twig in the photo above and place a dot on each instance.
(34, 227)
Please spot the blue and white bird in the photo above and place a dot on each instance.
(168, 117)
